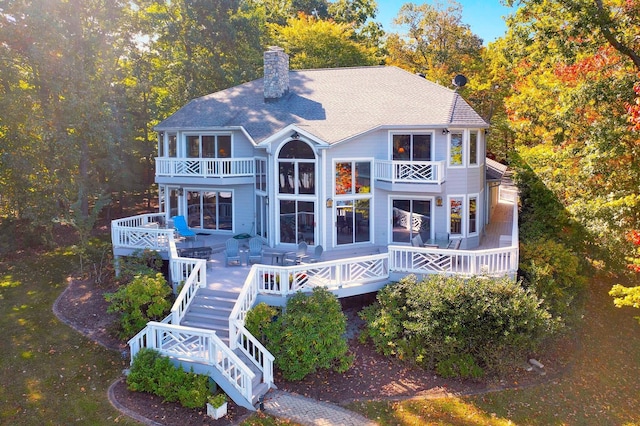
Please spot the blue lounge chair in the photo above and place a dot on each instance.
(180, 225)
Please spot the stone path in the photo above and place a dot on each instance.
(309, 412)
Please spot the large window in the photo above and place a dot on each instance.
(297, 221)
(353, 201)
(297, 192)
(411, 218)
(208, 146)
(210, 210)
(296, 169)
(412, 147)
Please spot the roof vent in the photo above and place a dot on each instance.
(459, 81)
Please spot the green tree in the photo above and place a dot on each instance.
(317, 43)
(437, 43)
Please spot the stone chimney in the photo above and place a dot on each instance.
(276, 74)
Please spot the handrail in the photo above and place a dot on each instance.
(410, 171)
(168, 339)
(205, 167)
(196, 279)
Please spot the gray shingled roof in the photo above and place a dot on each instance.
(331, 104)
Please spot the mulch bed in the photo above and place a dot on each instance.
(372, 376)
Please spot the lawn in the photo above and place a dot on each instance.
(601, 386)
(50, 374)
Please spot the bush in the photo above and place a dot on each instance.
(308, 336)
(260, 321)
(154, 373)
(141, 262)
(554, 273)
(457, 325)
(144, 299)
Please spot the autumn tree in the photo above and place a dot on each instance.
(437, 43)
(574, 70)
(318, 43)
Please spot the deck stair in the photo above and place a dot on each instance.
(210, 310)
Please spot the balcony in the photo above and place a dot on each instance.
(402, 175)
(222, 168)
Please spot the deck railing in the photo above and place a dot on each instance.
(141, 232)
(196, 345)
(410, 171)
(205, 167)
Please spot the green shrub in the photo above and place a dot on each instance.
(154, 373)
(260, 321)
(457, 324)
(144, 299)
(309, 335)
(555, 274)
(463, 366)
(141, 262)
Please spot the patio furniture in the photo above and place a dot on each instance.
(255, 250)
(232, 252)
(295, 258)
(181, 227)
(196, 252)
(317, 254)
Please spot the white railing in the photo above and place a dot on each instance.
(196, 273)
(410, 171)
(418, 260)
(198, 345)
(141, 232)
(205, 167)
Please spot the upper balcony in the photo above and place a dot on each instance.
(398, 175)
(172, 169)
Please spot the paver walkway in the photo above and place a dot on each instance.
(310, 412)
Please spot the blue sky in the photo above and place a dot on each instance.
(485, 17)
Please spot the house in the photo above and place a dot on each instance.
(333, 157)
(363, 161)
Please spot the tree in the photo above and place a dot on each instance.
(437, 43)
(629, 296)
(317, 43)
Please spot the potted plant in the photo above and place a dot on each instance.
(217, 405)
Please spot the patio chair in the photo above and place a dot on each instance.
(294, 258)
(255, 250)
(317, 254)
(232, 252)
(181, 227)
(417, 241)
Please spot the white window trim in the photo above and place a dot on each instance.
(430, 132)
(477, 164)
(184, 147)
(392, 198)
(478, 217)
(463, 216)
(353, 195)
(465, 138)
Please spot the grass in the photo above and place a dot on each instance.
(50, 374)
(600, 388)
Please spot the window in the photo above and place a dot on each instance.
(173, 145)
(412, 147)
(210, 210)
(208, 146)
(353, 177)
(455, 215)
(473, 149)
(473, 214)
(296, 169)
(455, 149)
(261, 174)
(411, 218)
(297, 221)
